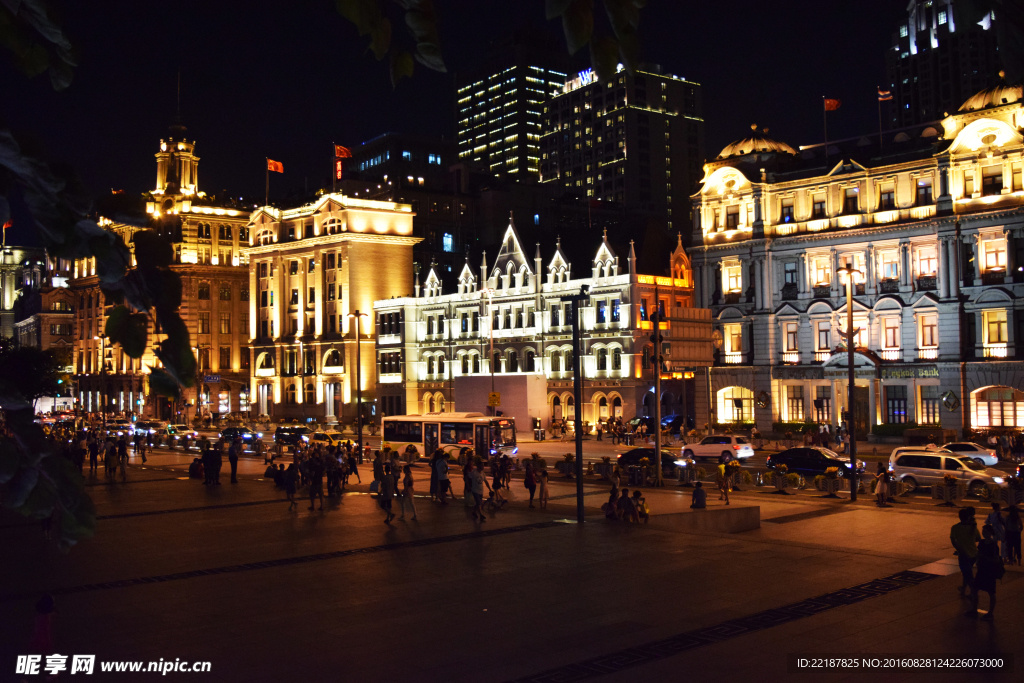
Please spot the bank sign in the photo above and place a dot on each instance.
(915, 372)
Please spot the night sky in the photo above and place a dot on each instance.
(286, 79)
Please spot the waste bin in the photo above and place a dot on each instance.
(538, 434)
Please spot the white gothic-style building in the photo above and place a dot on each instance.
(931, 217)
(427, 341)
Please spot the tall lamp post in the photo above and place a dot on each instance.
(490, 327)
(850, 272)
(359, 383)
(103, 379)
(577, 389)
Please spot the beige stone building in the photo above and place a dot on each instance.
(208, 236)
(310, 269)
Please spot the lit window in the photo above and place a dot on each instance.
(995, 255)
(791, 337)
(942, 17)
(891, 336)
(929, 331)
(824, 336)
(407, 156)
(448, 242)
(927, 263)
(903, 31)
(995, 327)
(890, 266)
(733, 278)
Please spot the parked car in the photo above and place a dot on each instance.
(724, 446)
(290, 436)
(180, 431)
(812, 460)
(246, 434)
(143, 427)
(327, 438)
(634, 456)
(119, 428)
(925, 468)
(979, 454)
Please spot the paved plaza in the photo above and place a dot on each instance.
(229, 575)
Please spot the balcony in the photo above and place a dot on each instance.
(822, 356)
(790, 291)
(993, 276)
(891, 354)
(995, 351)
(732, 358)
(928, 354)
(732, 297)
(890, 286)
(927, 283)
(822, 291)
(791, 357)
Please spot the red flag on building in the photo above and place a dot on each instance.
(832, 105)
(275, 166)
(342, 152)
(884, 95)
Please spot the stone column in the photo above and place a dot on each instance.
(767, 267)
(872, 406)
(1011, 257)
(758, 277)
(976, 248)
(943, 266)
(836, 286)
(904, 262)
(869, 270)
(954, 267)
(801, 272)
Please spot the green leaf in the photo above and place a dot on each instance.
(555, 8)
(380, 39)
(604, 57)
(421, 18)
(365, 14)
(40, 502)
(19, 488)
(152, 249)
(129, 330)
(401, 66)
(162, 384)
(9, 460)
(578, 24)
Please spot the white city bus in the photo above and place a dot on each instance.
(451, 432)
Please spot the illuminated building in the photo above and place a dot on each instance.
(933, 218)
(937, 60)
(636, 140)
(428, 341)
(207, 235)
(499, 106)
(310, 268)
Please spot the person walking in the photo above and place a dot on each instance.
(530, 481)
(353, 467)
(441, 467)
(110, 458)
(476, 482)
(995, 519)
(407, 492)
(378, 469)
(881, 485)
(990, 568)
(433, 476)
(94, 452)
(233, 460)
(218, 461)
(316, 481)
(1014, 525)
(291, 478)
(387, 493)
(964, 536)
(122, 458)
(543, 500)
(723, 483)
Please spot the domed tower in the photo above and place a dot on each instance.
(755, 143)
(176, 165)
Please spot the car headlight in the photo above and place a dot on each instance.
(515, 451)
(260, 435)
(998, 480)
(681, 463)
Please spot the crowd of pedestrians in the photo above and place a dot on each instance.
(997, 545)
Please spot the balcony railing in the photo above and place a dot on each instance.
(790, 291)
(822, 356)
(993, 277)
(928, 354)
(822, 291)
(732, 358)
(891, 286)
(891, 354)
(995, 351)
(732, 297)
(928, 282)
(791, 357)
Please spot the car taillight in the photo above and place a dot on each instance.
(735, 447)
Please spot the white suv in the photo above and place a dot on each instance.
(979, 454)
(714, 447)
(925, 468)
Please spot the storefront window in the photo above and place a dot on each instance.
(997, 407)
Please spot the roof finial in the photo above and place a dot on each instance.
(753, 127)
(1002, 74)
(606, 234)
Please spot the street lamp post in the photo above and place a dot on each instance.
(359, 384)
(577, 389)
(850, 271)
(103, 379)
(490, 326)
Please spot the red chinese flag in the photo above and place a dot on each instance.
(275, 166)
(832, 105)
(342, 152)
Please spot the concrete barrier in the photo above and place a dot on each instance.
(724, 520)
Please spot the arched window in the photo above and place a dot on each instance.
(266, 361)
(430, 365)
(439, 403)
(430, 324)
(310, 396)
(476, 363)
(465, 365)
(735, 404)
(333, 358)
(441, 365)
(496, 323)
(556, 408)
(556, 362)
(570, 408)
(617, 359)
(513, 361)
(602, 359)
(496, 367)
(602, 408)
(289, 394)
(519, 318)
(427, 404)
(508, 318)
(997, 407)
(531, 362)
(617, 407)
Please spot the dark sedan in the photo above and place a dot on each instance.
(291, 436)
(633, 457)
(243, 433)
(811, 460)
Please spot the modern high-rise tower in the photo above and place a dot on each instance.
(938, 60)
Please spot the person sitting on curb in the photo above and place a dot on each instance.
(700, 497)
(640, 505)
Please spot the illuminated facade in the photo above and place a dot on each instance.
(428, 341)
(932, 219)
(636, 140)
(310, 268)
(207, 236)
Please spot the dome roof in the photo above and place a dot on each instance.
(755, 143)
(993, 97)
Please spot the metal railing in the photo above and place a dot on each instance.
(928, 354)
(891, 354)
